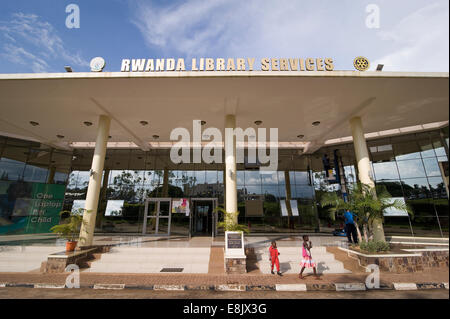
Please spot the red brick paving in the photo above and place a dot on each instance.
(437, 276)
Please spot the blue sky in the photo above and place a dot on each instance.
(413, 34)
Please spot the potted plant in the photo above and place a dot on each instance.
(229, 223)
(70, 229)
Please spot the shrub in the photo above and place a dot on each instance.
(374, 246)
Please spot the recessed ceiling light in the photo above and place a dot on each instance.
(155, 137)
(316, 123)
(301, 136)
(34, 123)
(258, 122)
(87, 123)
(60, 136)
(143, 123)
(202, 122)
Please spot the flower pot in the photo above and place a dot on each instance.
(70, 245)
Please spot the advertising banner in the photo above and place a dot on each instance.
(29, 208)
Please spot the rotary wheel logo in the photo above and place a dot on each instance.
(361, 63)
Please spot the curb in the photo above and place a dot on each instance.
(358, 286)
(405, 286)
(237, 287)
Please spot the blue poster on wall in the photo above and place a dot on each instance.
(29, 208)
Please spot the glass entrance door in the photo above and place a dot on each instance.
(157, 216)
(203, 221)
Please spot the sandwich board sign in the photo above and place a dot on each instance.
(234, 244)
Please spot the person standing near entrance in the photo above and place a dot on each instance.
(350, 228)
(273, 252)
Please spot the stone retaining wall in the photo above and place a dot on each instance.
(429, 259)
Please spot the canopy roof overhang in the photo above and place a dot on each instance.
(289, 101)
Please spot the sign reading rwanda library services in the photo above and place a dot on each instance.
(229, 64)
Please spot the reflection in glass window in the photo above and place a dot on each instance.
(114, 208)
(393, 187)
(386, 170)
(11, 170)
(35, 174)
(211, 177)
(431, 166)
(303, 191)
(437, 187)
(240, 177)
(269, 178)
(301, 178)
(416, 188)
(252, 177)
(253, 189)
(411, 169)
(405, 151)
(271, 191)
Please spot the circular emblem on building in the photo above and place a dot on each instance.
(361, 63)
(97, 64)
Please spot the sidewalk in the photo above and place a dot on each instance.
(434, 279)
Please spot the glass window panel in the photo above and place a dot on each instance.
(211, 177)
(411, 169)
(269, 178)
(431, 166)
(270, 191)
(416, 188)
(252, 178)
(253, 189)
(393, 187)
(11, 170)
(437, 187)
(386, 170)
(303, 191)
(426, 148)
(35, 174)
(147, 177)
(350, 174)
(240, 177)
(200, 177)
(301, 178)
(281, 179)
(404, 151)
(442, 159)
(220, 176)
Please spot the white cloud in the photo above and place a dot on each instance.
(420, 40)
(21, 56)
(288, 28)
(28, 30)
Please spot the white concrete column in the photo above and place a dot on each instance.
(230, 165)
(95, 181)
(361, 152)
(364, 170)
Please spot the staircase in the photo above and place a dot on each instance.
(25, 258)
(290, 258)
(193, 260)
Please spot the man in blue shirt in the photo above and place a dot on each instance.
(350, 228)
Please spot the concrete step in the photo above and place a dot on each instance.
(152, 259)
(22, 266)
(146, 268)
(31, 249)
